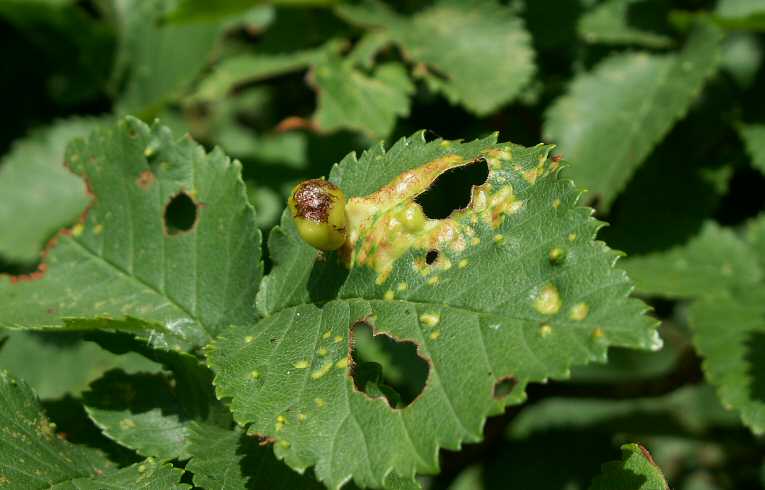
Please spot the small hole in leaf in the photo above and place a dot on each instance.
(431, 256)
(452, 189)
(385, 367)
(180, 214)
(504, 387)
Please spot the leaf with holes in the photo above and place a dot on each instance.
(611, 118)
(32, 178)
(636, 471)
(168, 249)
(31, 453)
(476, 52)
(508, 289)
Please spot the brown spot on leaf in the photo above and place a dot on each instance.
(145, 179)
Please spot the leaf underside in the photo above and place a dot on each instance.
(493, 307)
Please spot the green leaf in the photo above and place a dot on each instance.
(711, 263)
(139, 411)
(230, 459)
(148, 475)
(477, 52)
(31, 453)
(688, 410)
(253, 67)
(157, 62)
(493, 305)
(151, 413)
(754, 139)
(349, 99)
(35, 184)
(609, 23)
(196, 10)
(610, 119)
(70, 364)
(729, 333)
(127, 265)
(739, 8)
(636, 471)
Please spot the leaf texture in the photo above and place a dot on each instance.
(611, 118)
(39, 194)
(477, 52)
(636, 471)
(124, 266)
(32, 455)
(494, 306)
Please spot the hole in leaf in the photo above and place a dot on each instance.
(504, 387)
(452, 189)
(384, 367)
(180, 214)
(431, 256)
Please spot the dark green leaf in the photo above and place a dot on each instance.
(349, 99)
(493, 305)
(609, 23)
(477, 52)
(230, 459)
(35, 184)
(712, 263)
(148, 475)
(636, 471)
(32, 455)
(610, 119)
(129, 265)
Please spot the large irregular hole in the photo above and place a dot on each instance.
(385, 367)
(452, 189)
(431, 256)
(180, 214)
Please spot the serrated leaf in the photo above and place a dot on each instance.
(34, 184)
(729, 333)
(636, 471)
(32, 455)
(152, 413)
(492, 306)
(70, 364)
(712, 263)
(230, 459)
(754, 139)
(477, 52)
(350, 99)
(253, 67)
(611, 118)
(140, 412)
(148, 475)
(123, 267)
(609, 23)
(156, 61)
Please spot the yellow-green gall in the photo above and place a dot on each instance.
(412, 217)
(318, 209)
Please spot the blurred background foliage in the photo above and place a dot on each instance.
(289, 87)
